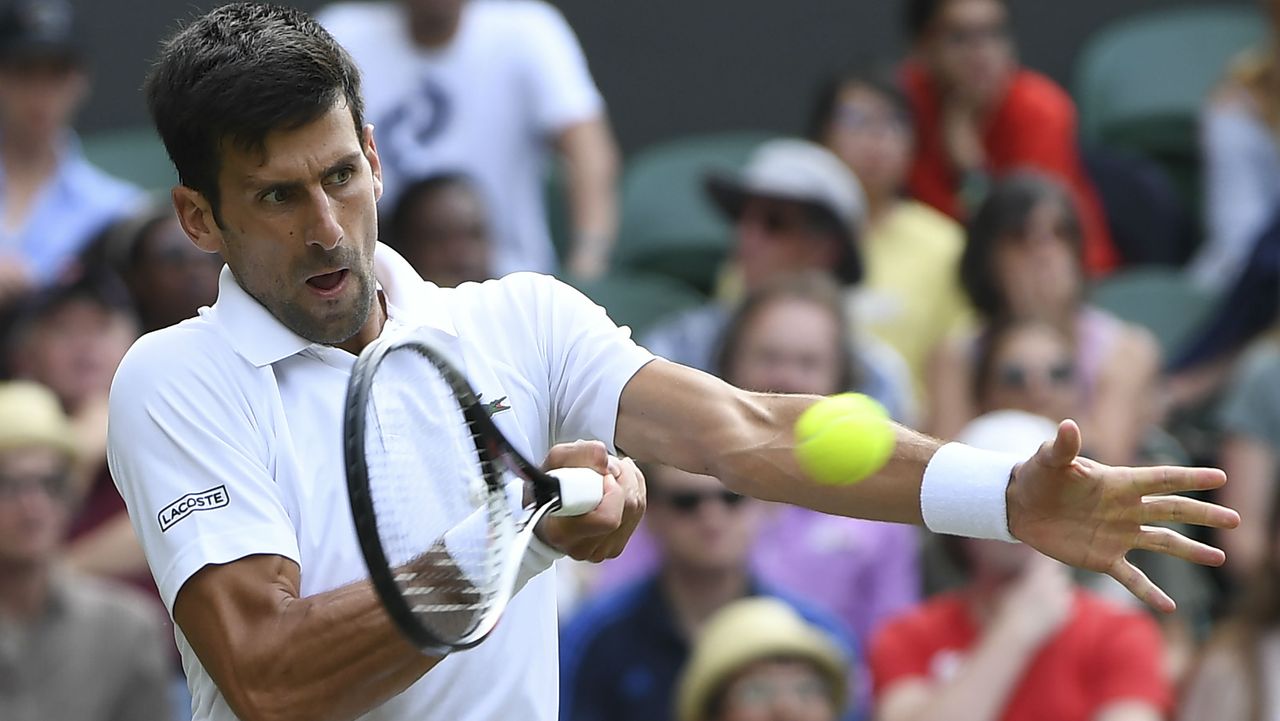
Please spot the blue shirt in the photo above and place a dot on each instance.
(621, 655)
(73, 207)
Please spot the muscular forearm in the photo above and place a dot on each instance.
(332, 656)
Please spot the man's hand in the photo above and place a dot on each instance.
(1090, 515)
(603, 532)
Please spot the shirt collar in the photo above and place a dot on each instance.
(262, 339)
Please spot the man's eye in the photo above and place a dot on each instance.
(275, 196)
(340, 177)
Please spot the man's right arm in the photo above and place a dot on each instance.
(277, 656)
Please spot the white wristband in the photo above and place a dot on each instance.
(538, 557)
(963, 493)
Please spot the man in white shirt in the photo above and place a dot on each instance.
(486, 88)
(226, 429)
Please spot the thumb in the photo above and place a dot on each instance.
(1066, 446)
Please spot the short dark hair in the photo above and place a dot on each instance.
(237, 74)
(920, 14)
(1004, 212)
(415, 193)
(877, 77)
(814, 287)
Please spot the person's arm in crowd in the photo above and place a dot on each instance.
(1220, 688)
(111, 549)
(590, 157)
(1073, 509)
(1123, 403)
(146, 697)
(1030, 613)
(951, 403)
(1251, 464)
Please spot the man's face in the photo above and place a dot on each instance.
(39, 97)
(779, 237)
(969, 50)
(299, 225)
(778, 690)
(34, 483)
(74, 349)
(698, 523)
(447, 237)
(172, 278)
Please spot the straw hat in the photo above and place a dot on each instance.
(750, 630)
(30, 415)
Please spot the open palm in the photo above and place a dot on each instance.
(1091, 515)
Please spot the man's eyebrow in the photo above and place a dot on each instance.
(255, 181)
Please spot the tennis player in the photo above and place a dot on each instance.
(225, 430)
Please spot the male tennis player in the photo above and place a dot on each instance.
(226, 432)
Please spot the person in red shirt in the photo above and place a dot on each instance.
(979, 115)
(1018, 643)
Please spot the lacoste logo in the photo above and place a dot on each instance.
(190, 503)
(493, 408)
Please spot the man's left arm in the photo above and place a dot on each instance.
(589, 155)
(1081, 512)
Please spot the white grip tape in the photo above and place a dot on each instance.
(963, 492)
(538, 557)
(580, 490)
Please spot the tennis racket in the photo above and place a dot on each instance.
(444, 507)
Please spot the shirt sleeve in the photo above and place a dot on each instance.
(190, 454)
(1127, 665)
(563, 92)
(589, 359)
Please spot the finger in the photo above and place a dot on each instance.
(1141, 587)
(1180, 509)
(579, 454)
(1066, 446)
(1173, 479)
(1172, 543)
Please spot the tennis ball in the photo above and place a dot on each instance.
(844, 438)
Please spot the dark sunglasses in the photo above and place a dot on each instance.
(691, 501)
(1019, 377)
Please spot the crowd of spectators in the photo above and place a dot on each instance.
(931, 238)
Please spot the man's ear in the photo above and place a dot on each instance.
(371, 154)
(195, 214)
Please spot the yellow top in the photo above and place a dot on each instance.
(911, 296)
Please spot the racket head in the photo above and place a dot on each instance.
(426, 479)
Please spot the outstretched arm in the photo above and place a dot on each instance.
(1083, 513)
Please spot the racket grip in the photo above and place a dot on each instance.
(580, 490)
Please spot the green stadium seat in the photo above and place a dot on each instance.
(639, 300)
(667, 225)
(134, 154)
(1161, 299)
(1140, 83)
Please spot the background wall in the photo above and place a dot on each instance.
(666, 67)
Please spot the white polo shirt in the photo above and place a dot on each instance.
(225, 440)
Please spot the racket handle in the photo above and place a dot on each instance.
(580, 490)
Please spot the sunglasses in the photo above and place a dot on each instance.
(778, 220)
(690, 501)
(1019, 377)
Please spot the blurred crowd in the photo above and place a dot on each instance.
(935, 237)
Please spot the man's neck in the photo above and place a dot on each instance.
(24, 591)
(695, 594)
(28, 159)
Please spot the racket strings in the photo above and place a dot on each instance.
(440, 525)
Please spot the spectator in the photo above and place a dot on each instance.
(1026, 366)
(1241, 158)
(758, 661)
(70, 339)
(1239, 671)
(53, 203)
(168, 277)
(911, 296)
(622, 653)
(72, 648)
(979, 115)
(1023, 261)
(1018, 642)
(439, 226)
(485, 87)
(796, 208)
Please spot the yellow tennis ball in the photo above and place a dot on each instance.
(844, 438)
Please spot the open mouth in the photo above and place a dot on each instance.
(328, 282)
